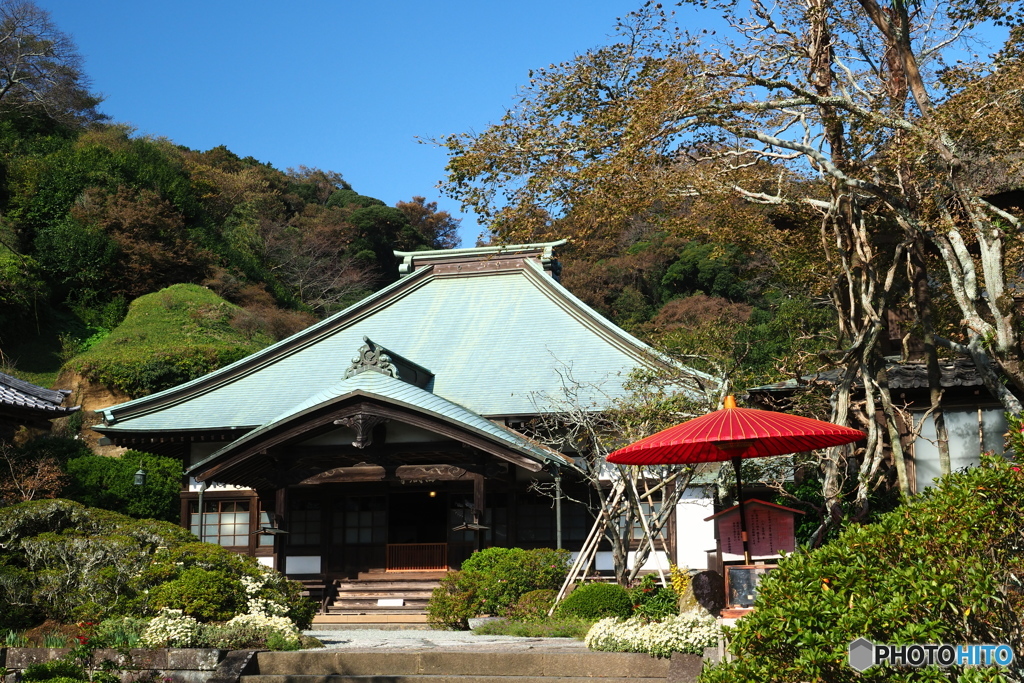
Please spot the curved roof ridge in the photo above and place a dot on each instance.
(410, 396)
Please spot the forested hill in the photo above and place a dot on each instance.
(92, 217)
(95, 221)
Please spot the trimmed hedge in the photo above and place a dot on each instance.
(596, 601)
(492, 581)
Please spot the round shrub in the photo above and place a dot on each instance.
(533, 606)
(455, 601)
(506, 574)
(495, 579)
(596, 601)
(62, 561)
(204, 594)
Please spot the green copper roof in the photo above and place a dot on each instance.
(499, 342)
(396, 392)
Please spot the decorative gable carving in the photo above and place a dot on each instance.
(375, 358)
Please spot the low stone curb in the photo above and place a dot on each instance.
(174, 665)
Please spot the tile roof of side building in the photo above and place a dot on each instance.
(496, 330)
(19, 394)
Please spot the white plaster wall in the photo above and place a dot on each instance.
(303, 564)
(201, 451)
(694, 536)
(655, 561)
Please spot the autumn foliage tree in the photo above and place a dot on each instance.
(848, 144)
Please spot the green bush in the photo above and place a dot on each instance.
(533, 606)
(941, 569)
(60, 560)
(453, 603)
(207, 595)
(503, 575)
(277, 641)
(653, 602)
(178, 567)
(109, 483)
(58, 668)
(19, 609)
(596, 601)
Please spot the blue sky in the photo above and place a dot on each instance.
(339, 85)
(334, 84)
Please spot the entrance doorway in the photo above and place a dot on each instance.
(417, 517)
(417, 531)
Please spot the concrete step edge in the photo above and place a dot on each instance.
(436, 678)
(467, 663)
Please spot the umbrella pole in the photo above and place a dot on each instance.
(743, 515)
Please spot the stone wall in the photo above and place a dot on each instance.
(169, 665)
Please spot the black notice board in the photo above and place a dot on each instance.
(741, 583)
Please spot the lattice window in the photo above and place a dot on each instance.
(304, 522)
(638, 526)
(536, 522)
(361, 520)
(225, 522)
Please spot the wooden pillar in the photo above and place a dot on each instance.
(280, 545)
(479, 506)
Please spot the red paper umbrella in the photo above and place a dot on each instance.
(733, 434)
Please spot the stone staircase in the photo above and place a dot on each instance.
(373, 596)
(474, 666)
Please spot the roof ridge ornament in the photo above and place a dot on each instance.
(375, 358)
(467, 257)
(372, 357)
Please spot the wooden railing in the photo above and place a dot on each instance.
(417, 557)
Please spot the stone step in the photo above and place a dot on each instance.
(436, 678)
(383, 611)
(372, 602)
(386, 585)
(373, 599)
(373, 592)
(380, 575)
(458, 665)
(369, 607)
(341, 622)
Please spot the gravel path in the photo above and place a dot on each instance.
(376, 639)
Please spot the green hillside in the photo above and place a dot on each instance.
(169, 337)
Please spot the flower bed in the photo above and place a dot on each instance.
(690, 632)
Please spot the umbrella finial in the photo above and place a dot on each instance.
(730, 402)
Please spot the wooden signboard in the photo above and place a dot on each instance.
(770, 529)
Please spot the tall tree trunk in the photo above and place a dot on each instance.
(923, 306)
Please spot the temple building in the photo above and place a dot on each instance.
(388, 436)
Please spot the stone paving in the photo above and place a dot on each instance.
(423, 639)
